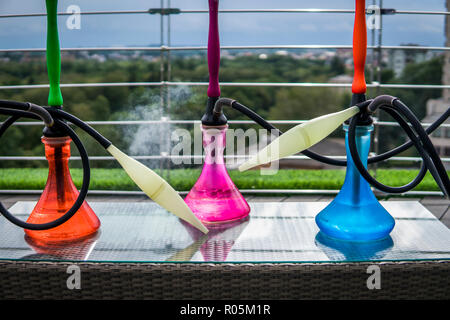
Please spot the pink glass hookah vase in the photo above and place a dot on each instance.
(214, 198)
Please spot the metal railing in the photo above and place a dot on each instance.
(226, 84)
(167, 11)
(203, 48)
(165, 49)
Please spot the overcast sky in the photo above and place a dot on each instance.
(235, 29)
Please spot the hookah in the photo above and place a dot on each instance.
(60, 191)
(214, 198)
(61, 214)
(355, 214)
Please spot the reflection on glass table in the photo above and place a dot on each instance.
(76, 250)
(337, 250)
(220, 239)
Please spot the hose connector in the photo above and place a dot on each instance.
(54, 131)
(364, 117)
(42, 113)
(382, 100)
(39, 111)
(212, 118)
(218, 107)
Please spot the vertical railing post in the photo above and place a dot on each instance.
(376, 138)
(380, 43)
(169, 71)
(372, 52)
(162, 88)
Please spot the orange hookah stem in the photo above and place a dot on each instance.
(359, 48)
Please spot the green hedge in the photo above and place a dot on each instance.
(183, 179)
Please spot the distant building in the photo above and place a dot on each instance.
(440, 137)
(282, 53)
(398, 59)
(98, 57)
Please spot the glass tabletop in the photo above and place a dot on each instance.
(274, 232)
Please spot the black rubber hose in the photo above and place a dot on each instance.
(315, 156)
(421, 141)
(84, 187)
(409, 144)
(29, 107)
(428, 146)
(266, 125)
(58, 113)
(365, 173)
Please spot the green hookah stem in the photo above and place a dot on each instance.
(53, 54)
(55, 98)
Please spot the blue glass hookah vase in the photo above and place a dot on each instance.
(356, 214)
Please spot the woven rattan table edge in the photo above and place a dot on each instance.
(244, 281)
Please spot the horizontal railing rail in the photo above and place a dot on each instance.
(227, 84)
(194, 157)
(167, 121)
(166, 11)
(203, 48)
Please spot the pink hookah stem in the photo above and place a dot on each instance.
(213, 49)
